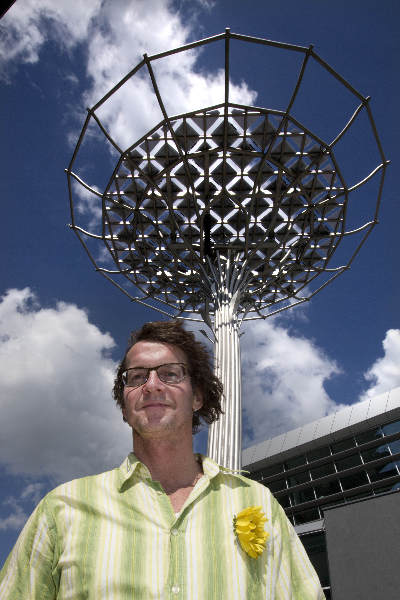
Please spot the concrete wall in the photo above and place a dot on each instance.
(363, 543)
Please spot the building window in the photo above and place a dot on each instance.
(327, 489)
(315, 546)
(318, 453)
(395, 447)
(353, 460)
(375, 453)
(302, 496)
(368, 436)
(354, 480)
(284, 501)
(298, 478)
(295, 462)
(391, 428)
(388, 470)
(326, 469)
(276, 486)
(342, 445)
(272, 470)
(305, 516)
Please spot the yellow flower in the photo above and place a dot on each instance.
(249, 527)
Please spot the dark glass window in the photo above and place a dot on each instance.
(355, 480)
(297, 478)
(302, 496)
(284, 501)
(327, 489)
(307, 515)
(318, 453)
(349, 461)
(326, 469)
(276, 486)
(368, 436)
(375, 453)
(295, 462)
(391, 428)
(395, 446)
(272, 470)
(350, 497)
(392, 487)
(343, 445)
(388, 470)
(332, 503)
(256, 475)
(315, 546)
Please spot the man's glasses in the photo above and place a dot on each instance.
(168, 373)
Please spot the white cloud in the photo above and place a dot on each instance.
(114, 50)
(384, 374)
(29, 24)
(283, 381)
(88, 205)
(283, 377)
(58, 415)
(17, 517)
(116, 35)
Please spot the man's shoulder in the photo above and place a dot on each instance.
(241, 477)
(84, 486)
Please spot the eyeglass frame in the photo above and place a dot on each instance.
(149, 369)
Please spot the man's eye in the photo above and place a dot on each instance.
(169, 373)
(136, 377)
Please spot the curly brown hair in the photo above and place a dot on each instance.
(198, 360)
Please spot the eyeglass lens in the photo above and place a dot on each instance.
(169, 373)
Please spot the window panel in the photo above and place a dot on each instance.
(394, 446)
(276, 486)
(368, 436)
(327, 489)
(392, 487)
(305, 516)
(391, 428)
(315, 546)
(343, 445)
(295, 462)
(326, 469)
(302, 496)
(355, 480)
(284, 501)
(318, 453)
(375, 453)
(298, 478)
(349, 461)
(389, 470)
(272, 470)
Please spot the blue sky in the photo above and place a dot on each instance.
(63, 327)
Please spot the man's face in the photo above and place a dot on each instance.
(156, 409)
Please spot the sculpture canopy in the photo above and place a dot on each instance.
(230, 181)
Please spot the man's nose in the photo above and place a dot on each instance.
(153, 382)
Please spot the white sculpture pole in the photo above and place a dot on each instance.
(225, 435)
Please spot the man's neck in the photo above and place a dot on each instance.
(172, 464)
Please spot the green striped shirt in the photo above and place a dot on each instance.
(115, 536)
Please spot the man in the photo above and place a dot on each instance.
(166, 523)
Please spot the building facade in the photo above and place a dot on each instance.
(327, 473)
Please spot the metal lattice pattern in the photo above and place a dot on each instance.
(247, 184)
(229, 182)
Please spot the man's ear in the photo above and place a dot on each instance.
(197, 401)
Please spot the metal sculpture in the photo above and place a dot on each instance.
(229, 212)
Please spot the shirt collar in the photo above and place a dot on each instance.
(132, 466)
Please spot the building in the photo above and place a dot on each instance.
(338, 480)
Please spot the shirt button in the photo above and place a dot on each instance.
(174, 531)
(175, 589)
